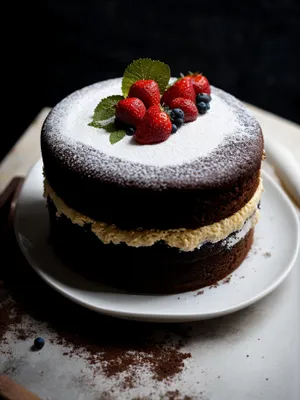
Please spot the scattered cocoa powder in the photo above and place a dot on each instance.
(215, 285)
(120, 355)
(267, 254)
(227, 280)
(108, 345)
(199, 293)
(175, 395)
(10, 316)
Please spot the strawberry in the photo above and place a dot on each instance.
(200, 83)
(156, 126)
(187, 106)
(130, 110)
(147, 91)
(181, 88)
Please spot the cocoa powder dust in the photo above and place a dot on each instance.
(109, 346)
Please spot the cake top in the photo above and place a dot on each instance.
(212, 148)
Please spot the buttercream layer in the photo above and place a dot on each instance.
(182, 238)
(158, 268)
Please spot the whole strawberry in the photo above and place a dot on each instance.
(181, 88)
(187, 106)
(156, 127)
(147, 91)
(130, 110)
(200, 83)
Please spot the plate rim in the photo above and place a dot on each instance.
(164, 317)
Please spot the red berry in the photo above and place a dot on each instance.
(147, 91)
(187, 106)
(181, 88)
(200, 83)
(156, 127)
(130, 110)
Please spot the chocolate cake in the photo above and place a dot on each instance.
(167, 217)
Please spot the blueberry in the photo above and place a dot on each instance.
(202, 107)
(203, 97)
(174, 128)
(177, 113)
(178, 122)
(130, 131)
(39, 343)
(207, 106)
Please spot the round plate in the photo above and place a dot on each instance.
(267, 265)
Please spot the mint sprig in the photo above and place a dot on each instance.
(145, 68)
(116, 134)
(105, 110)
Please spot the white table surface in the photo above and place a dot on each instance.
(267, 332)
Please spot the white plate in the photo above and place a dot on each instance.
(269, 262)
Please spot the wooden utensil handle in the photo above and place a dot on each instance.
(10, 390)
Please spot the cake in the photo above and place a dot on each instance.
(167, 217)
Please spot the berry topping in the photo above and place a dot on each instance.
(130, 131)
(200, 83)
(120, 124)
(174, 128)
(187, 106)
(177, 113)
(202, 107)
(141, 112)
(156, 127)
(203, 97)
(178, 122)
(39, 343)
(147, 91)
(181, 88)
(130, 110)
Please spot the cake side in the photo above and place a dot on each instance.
(182, 238)
(154, 269)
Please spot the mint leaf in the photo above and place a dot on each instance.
(105, 110)
(95, 124)
(111, 127)
(116, 136)
(145, 68)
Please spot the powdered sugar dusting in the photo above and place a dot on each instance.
(193, 140)
(213, 148)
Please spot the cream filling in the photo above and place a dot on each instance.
(239, 235)
(183, 239)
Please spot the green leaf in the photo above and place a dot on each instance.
(105, 110)
(145, 68)
(116, 136)
(95, 124)
(110, 128)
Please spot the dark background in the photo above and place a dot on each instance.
(249, 48)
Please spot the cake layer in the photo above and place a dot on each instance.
(183, 239)
(156, 269)
(206, 172)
